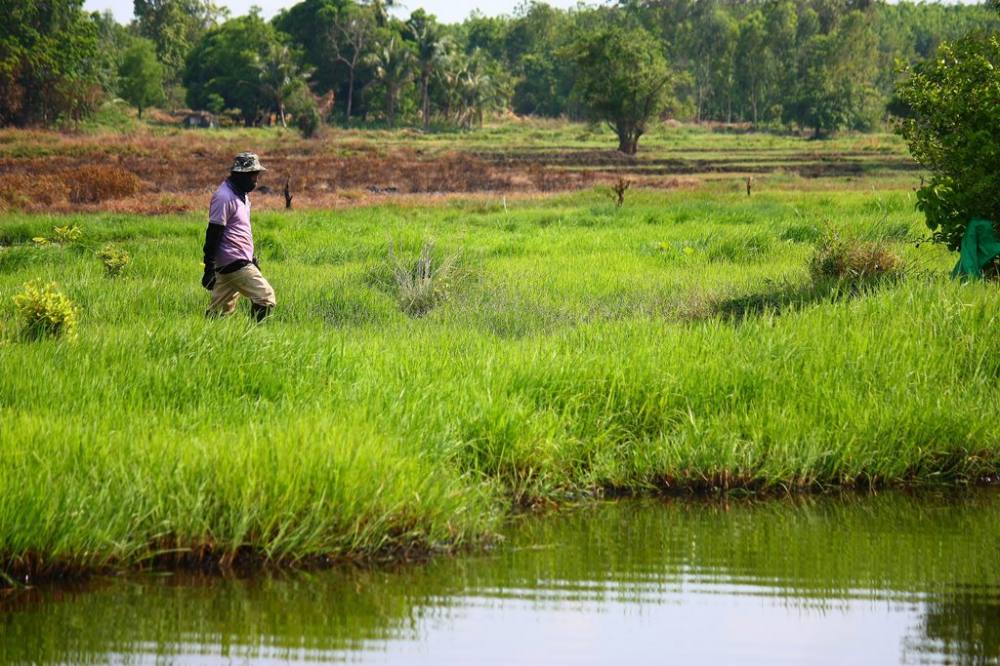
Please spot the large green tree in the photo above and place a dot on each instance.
(244, 63)
(48, 61)
(835, 88)
(141, 75)
(174, 26)
(952, 124)
(622, 79)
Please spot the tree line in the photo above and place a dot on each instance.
(817, 65)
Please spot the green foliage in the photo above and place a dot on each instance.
(66, 234)
(113, 40)
(834, 89)
(174, 27)
(45, 311)
(245, 63)
(394, 62)
(423, 31)
(115, 259)
(141, 74)
(48, 62)
(952, 126)
(302, 106)
(311, 24)
(622, 79)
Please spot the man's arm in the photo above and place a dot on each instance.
(213, 237)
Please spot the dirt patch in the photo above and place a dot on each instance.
(168, 173)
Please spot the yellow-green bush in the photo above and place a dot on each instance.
(67, 233)
(45, 310)
(114, 258)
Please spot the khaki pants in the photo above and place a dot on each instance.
(247, 281)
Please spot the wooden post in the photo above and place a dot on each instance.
(749, 184)
(288, 193)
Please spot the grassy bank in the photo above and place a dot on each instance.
(677, 343)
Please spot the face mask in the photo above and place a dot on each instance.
(243, 183)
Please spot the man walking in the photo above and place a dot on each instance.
(231, 268)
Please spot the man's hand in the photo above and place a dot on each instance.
(208, 279)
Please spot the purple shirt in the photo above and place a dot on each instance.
(232, 211)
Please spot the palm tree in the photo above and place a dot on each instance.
(449, 63)
(478, 91)
(278, 74)
(393, 64)
(424, 32)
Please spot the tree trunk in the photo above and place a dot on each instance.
(281, 113)
(350, 93)
(628, 141)
(426, 102)
(390, 106)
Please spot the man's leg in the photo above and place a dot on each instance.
(251, 283)
(224, 296)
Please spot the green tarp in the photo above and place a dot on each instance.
(979, 247)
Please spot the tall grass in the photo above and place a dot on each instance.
(589, 354)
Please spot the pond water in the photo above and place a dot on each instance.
(881, 580)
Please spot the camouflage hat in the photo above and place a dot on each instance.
(247, 163)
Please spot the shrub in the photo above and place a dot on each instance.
(45, 311)
(853, 263)
(64, 234)
(20, 190)
(420, 286)
(95, 184)
(114, 258)
(950, 120)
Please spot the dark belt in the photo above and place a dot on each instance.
(234, 266)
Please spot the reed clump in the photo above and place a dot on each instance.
(849, 262)
(424, 283)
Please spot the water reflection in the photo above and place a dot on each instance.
(887, 579)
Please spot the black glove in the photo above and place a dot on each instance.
(208, 279)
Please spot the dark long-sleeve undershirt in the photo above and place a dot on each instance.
(213, 238)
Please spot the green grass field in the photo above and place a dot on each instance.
(674, 344)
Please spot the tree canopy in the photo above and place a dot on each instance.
(245, 64)
(622, 79)
(141, 75)
(812, 65)
(48, 56)
(952, 124)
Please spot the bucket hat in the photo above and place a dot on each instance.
(247, 163)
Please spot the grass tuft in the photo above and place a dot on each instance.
(424, 283)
